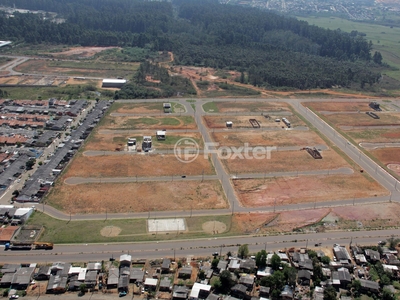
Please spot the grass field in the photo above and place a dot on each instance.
(385, 39)
(157, 123)
(132, 230)
(78, 68)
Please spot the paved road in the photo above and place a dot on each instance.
(199, 247)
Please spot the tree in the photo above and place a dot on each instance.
(243, 251)
(30, 163)
(330, 293)
(325, 260)
(82, 289)
(377, 58)
(261, 259)
(226, 280)
(275, 261)
(202, 275)
(215, 262)
(290, 275)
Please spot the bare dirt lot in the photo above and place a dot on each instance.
(304, 189)
(138, 197)
(136, 165)
(243, 121)
(387, 155)
(109, 142)
(370, 215)
(374, 135)
(237, 106)
(338, 106)
(283, 161)
(137, 108)
(362, 119)
(277, 222)
(268, 138)
(157, 123)
(10, 79)
(80, 52)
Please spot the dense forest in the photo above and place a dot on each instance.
(273, 50)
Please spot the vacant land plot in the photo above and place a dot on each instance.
(144, 107)
(283, 161)
(109, 142)
(303, 189)
(77, 68)
(243, 121)
(374, 135)
(245, 106)
(387, 155)
(268, 138)
(362, 119)
(136, 165)
(338, 106)
(10, 79)
(157, 123)
(138, 197)
(79, 52)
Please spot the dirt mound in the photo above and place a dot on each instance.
(214, 227)
(110, 231)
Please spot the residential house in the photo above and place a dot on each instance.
(199, 291)
(247, 280)
(222, 264)
(150, 284)
(91, 279)
(368, 285)
(112, 280)
(234, 264)
(302, 261)
(264, 291)
(212, 296)
(185, 272)
(136, 275)
(123, 283)
(247, 265)
(239, 291)
(94, 266)
(304, 277)
(165, 285)
(180, 293)
(372, 255)
(342, 255)
(22, 278)
(341, 278)
(287, 293)
(57, 284)
(43, 273)
(265, 271)
(125, 260)
(165, 265)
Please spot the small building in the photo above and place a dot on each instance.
(112, 280)
(247, 280)
(43, 273)
(185, 272)
(150, 284)
(123, 283)
(94, 266)
(199, 291)
(265, 271)
(161, 135)
(167, 107)
(91, 279)
(125, 260)
(113, 83)
(304, 277)
(341, 278)
(136, 275)
(234, 264)
(146, 144)
(247, 265)
(7, 233)
(264, 291)
(229, 124)
(375, 105)
(165, 285)
(165, 265)
(180, 292)
(239, 290)
(57, 284)
(222, 264)
(131, 142)
(372, 255)
(368, 285)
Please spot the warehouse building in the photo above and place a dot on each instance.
(113, 83)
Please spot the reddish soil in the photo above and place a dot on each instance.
(283, 161)
(268, 138)
(138, 197)
(302, 189)
(387, 155)
(81, 51)
(136, 165)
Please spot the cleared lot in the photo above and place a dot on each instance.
(245, 106)
(138, 197)
(157, 123)
(338, 106)
(305, 189)
(243, 121)
(372, 135)
(362, 119)
(136, 165)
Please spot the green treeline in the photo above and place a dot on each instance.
(273, 50)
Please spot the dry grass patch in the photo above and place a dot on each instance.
(109, 142)
(138, 197)
(362, 119)
(387, 155)
(136, 165)
(304, 189)
(338, 106)
(284, 161)
(279, 138)
(247, 106)
(374, 135)
(243, 121)
(146, 123)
